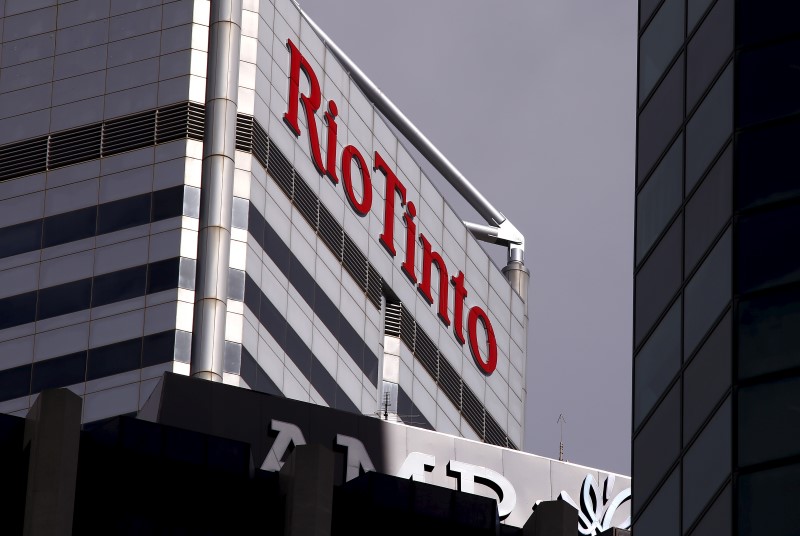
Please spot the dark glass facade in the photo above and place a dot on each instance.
(716, 417)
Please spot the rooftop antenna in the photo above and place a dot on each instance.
(561, 421)
(386, 404)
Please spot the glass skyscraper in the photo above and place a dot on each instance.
(716, 402)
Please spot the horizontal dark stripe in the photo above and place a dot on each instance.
(291, 343)
(409, 413)
(96, 220)
(255, 376)
(87, 365)
(313, 295)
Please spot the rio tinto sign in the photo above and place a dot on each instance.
(354, 167)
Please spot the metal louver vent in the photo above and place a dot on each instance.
(76, 145)
(179, 121)
(306, 201)
(391, 324)
(23, 158)
(196, 121)
(425, 350)
(244, 132)
(450, 382)
(494, 433)
(130, 132)
(374, 286)
(354, 262)
(408, 328)
(472, 410)
(260, 144)
(330, 231)
(281, 170)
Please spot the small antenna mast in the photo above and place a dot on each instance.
(386, 406)
(561, 421)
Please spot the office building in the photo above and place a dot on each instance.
(716, 368)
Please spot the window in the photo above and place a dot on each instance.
(660, 119)
(662, 515)
(719, 518)
(658, 280)
(707, 294)
(658, 44)
(114, 359)
(696, 9)
(118, 286)
(767, 249)
(167, 203)
(20, 238)
(768, 165)
(767, 502)
(163, 275)
(158, 348)
(657, 445)
(708, 129)
(64, 299)
(659, 199)
(707, 377)
(769, 82)
(68, 227)
(709, 209)
(769, 333)
(15, 382)
(657, 363)
(761, 20)
(17, 310)
(769, 421)
(59, 372)
(124, 213)
(708, 49)
(707, 464)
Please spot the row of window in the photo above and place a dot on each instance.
(99, 219)
(87, 365)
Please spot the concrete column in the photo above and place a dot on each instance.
(306, 481)
(52, 435)
(216, 197)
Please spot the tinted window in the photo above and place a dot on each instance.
(718, 519)
(167, 203)
(235, 284)
(191, 201)
(59, 372)
(707, 464)
(696, 9)
(20, 238)
(657, 445)
(114, 359)
(768, 164)
(15, 382)
(69, 227)
(708, 49)
(659, 199)
(769, 82)
(123, 214)
(709, 209)
(239, 217)
(769, 333)
(660, 119)
(646, 8)
(659, 43)
(708, 129)
(707, 378)
(662, 516)
(707, 294)
(163, 275)
(158, 348)
(17, 310)
(767, 502)
(233, 358)
(186, 276)
(761, 20)
(64, 299)
(768, 254)
(118, 286)
(657, 363)
(769, 421)
(658, 279)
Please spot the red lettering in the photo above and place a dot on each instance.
(361, 207)
(458, 306)
(330, 120)
(429, 258)
(475, 314)
(411, 242)
(393, 185)
(310, 103)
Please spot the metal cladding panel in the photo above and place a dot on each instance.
(365, 443)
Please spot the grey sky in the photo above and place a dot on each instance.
(534, 102)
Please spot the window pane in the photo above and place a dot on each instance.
(696, 10)
(63, 299)
(658, 44)
(123, 214)
(657, 363)
(167, 203)
(17, 310)
(769, 82)
(656, 446)
(762, 20)
(708, 129)
(646, 8)
(658, 280)
(663, 514)
(707, 377)
(118, 286)
(15, 382)
(659, 199)
(768, 165)
(707, 293)
(659, 120)
(20, 238)
(163, 275)
(768, 254)
(718, 520)
(708, 49)
(769, 333)
(158, 348)
(69, 227)
(114, 359)
(59, 372)
(709, 209)
(707, 464)
(768, 502)
(769, 421)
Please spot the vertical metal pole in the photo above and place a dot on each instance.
(216, 197)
